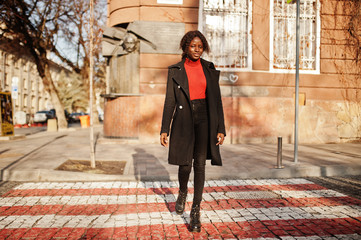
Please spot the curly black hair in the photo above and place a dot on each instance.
(188, 37)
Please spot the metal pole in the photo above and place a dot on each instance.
(279, 153)
(107, 77)
(91, 69)
(297, 80)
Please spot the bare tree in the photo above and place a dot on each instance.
(77, 35)
(52, 26)
(72, 92)
(34, 25)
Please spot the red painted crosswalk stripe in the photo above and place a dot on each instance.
(148, 191)
(238, 209)
(242, 230)
(96, 209)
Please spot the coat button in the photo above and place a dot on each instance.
(180, 107)
(178, 86)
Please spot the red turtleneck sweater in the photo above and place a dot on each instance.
(196, 79)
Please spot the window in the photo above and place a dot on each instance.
(283, 42)
(226, 24)
(3, 72)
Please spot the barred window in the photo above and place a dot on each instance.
(226, 25)
(284, 35)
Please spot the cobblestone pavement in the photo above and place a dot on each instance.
(232, 209)
(349, 185)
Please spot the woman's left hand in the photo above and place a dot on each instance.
(220, 138)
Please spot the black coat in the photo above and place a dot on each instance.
(177, 107)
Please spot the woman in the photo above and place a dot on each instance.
(193, 107)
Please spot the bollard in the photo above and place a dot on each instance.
(279, 154)
(52, 125)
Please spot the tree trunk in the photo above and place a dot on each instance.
(44, 72)
(59, 108)
(95, 110)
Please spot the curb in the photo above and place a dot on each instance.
(41, 175)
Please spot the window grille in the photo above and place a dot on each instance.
(284, 34)
(225, 24)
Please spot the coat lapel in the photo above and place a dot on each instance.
(181, 77)
(206, 73)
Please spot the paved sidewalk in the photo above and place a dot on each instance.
(235, 209)
(35, 157)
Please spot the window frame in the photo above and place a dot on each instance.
(249, 40)
(318, 43)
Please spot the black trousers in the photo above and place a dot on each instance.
(200, 120)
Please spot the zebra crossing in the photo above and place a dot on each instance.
(231, 209)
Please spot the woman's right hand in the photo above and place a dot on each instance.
(164, 139)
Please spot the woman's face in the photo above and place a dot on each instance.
(195, 49)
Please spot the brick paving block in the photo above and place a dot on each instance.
(257, 224)
(132, 231)
(62, 233)
(54, 209)
(120, 232)
(157, 230)
(21, 211)
(90, 233)
(214, 205)
(183, 231)
(14, 233)
(296, 233)
(142, 208)
(235, 228)
(306, 231)
(201, 235)
(252, 234)
(224, 231)
(111, 208)
(4, 209)
(131, 208)
(224, 204)
(93, 209)
(170, 231)
(280, 232)
(47, 233)
(144, 238)
(167, 206)
(132, 191)
(11, 211)
(132, 238)
(157, 237)
(288, 228)
(67, 209)
(32, 233)
(144, 230)
(268, 235)
(80, 210)
(234, 203)
(105, 233)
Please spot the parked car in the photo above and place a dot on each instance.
(74, 117)
(43, 116)
(101, 117)
(66, 113)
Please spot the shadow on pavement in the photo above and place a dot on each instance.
(145, 162)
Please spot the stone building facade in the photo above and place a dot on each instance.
(253, 44)
(18, 75)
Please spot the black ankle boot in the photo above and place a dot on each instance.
(195, 222)
(181, 202)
